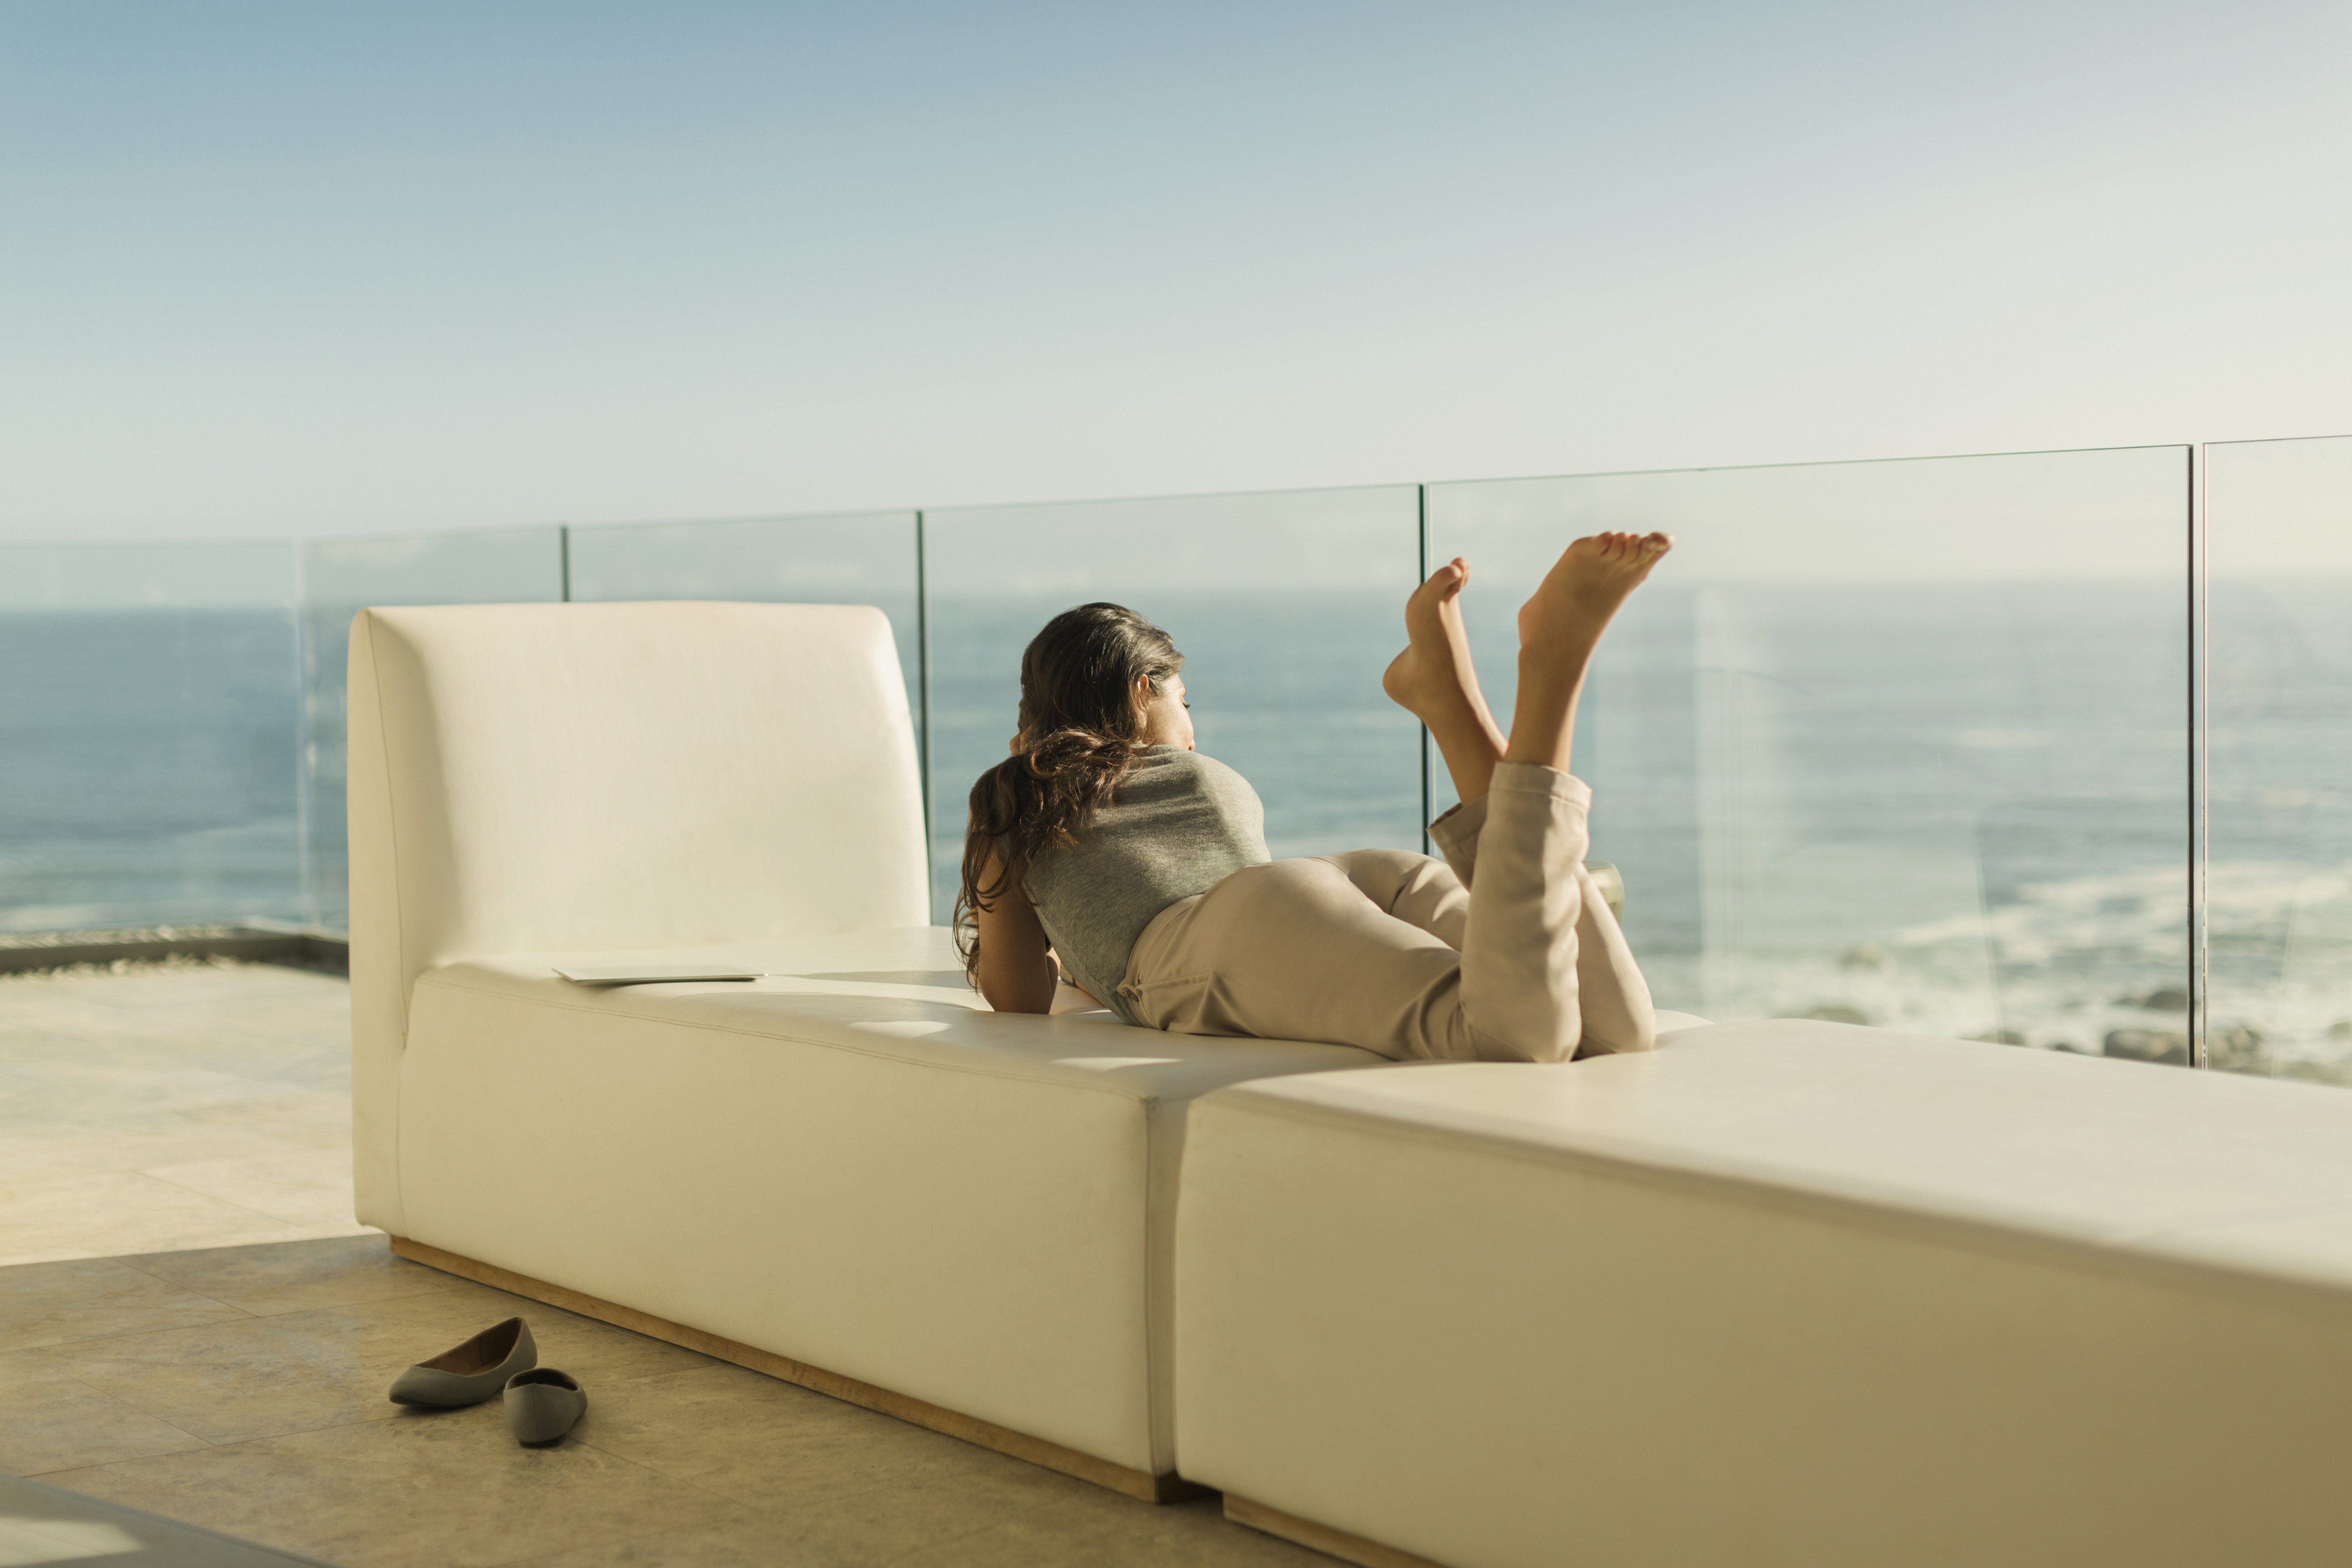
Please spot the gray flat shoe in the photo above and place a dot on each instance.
(542, 1405)
(473, 1372)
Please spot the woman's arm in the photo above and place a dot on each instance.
(1015, 973)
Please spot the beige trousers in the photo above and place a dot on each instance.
(1501, 952)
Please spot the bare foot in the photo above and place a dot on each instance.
(1559, 628)
(1573, 604)
(1432, 678)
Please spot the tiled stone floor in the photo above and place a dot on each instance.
(43, 1525)
(173, 1106)
(240, 1387)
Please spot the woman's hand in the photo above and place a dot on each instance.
(1016, 969)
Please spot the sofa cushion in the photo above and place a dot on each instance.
(1786, 1291)
(851, 1163)
(898, 993)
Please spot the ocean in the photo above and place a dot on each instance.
(150, 768)
(1955, 810)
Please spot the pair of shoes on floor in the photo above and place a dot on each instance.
(542, 1404)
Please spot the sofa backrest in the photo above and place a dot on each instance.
(528, 777)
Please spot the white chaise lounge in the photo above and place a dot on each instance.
(1778, 1293)
(849, 1173)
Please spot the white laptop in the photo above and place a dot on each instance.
(653, 974)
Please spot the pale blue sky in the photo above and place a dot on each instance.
(293, 267)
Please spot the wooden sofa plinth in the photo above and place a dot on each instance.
(1134, 1483)
(1320, 1536)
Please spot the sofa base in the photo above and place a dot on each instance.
(1320, 1536)
(1134, 1483)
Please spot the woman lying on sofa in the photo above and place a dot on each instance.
(1107, 841)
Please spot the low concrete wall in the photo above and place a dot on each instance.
(294, 946)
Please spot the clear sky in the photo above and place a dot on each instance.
(271, 268)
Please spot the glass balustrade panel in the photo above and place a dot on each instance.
(1287, 607)
(2278, 705)
(339, 578)
(148, 735)
(865, 558)
(1901, 743)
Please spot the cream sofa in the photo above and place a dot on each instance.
(1778, 1293)
(849, 1173)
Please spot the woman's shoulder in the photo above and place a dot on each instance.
(1175, 759)
(1172, 767)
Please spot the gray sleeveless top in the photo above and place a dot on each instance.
(1180, 824)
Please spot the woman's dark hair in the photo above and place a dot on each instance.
(1080, 732)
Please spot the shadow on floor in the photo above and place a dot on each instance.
(42, 1524)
